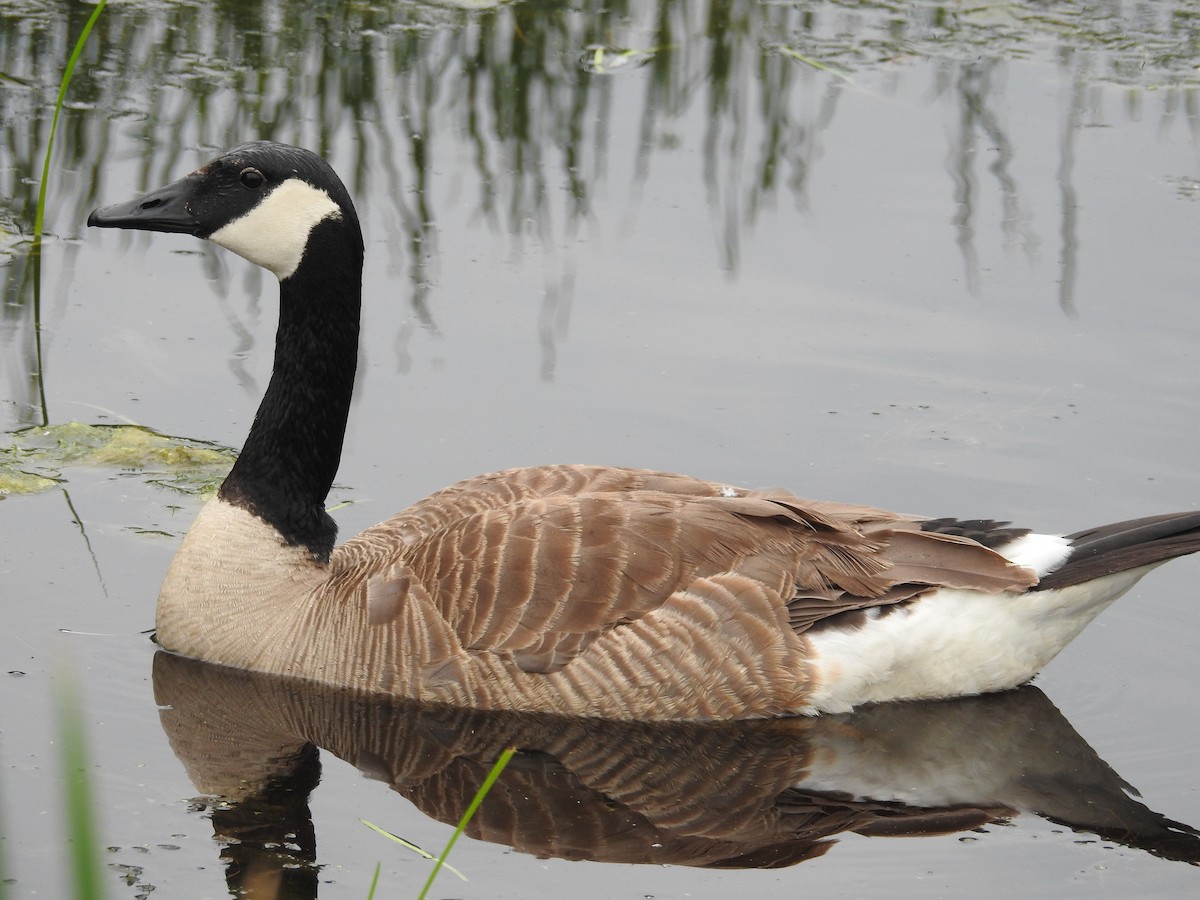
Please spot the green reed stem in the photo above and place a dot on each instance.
(492, 775)
(83, 846)
(40, 214)
(374, 883)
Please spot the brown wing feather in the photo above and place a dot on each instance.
(536, 564)
(544, 578)
(499, 489)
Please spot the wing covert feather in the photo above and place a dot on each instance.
(537, 564)
(549, 575)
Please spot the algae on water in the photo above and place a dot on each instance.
(35, 457)
(15, 481)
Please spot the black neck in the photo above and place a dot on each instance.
(291, 455)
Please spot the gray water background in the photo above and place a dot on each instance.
(932, 257)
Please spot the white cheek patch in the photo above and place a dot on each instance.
(274, 233)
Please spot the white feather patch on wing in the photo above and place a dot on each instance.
(1041, 552)
(274, 233)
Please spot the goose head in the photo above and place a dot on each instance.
(269, 203)
(285, 209)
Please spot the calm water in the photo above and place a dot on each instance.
(931, 258)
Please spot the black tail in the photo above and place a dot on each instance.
(1126, 545)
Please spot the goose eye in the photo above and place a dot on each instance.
(251, 178)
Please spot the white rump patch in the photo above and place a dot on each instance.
(954, 642)
(273, 233)
(1041, 552)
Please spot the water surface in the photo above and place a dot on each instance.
(932, 258)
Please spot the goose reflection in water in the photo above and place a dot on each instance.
(750, 794)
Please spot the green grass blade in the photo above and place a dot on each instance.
(39, 216)
(3, 871)
(492, 775)
(83, 846)
(374, 883)
(409, 845)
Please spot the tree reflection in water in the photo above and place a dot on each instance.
(503, 100)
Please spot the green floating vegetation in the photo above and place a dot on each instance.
(601, 60)
(15, 481)
(9, 237)
(1123, 43)
(35, 457)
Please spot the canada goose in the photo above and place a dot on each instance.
(584, 590)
